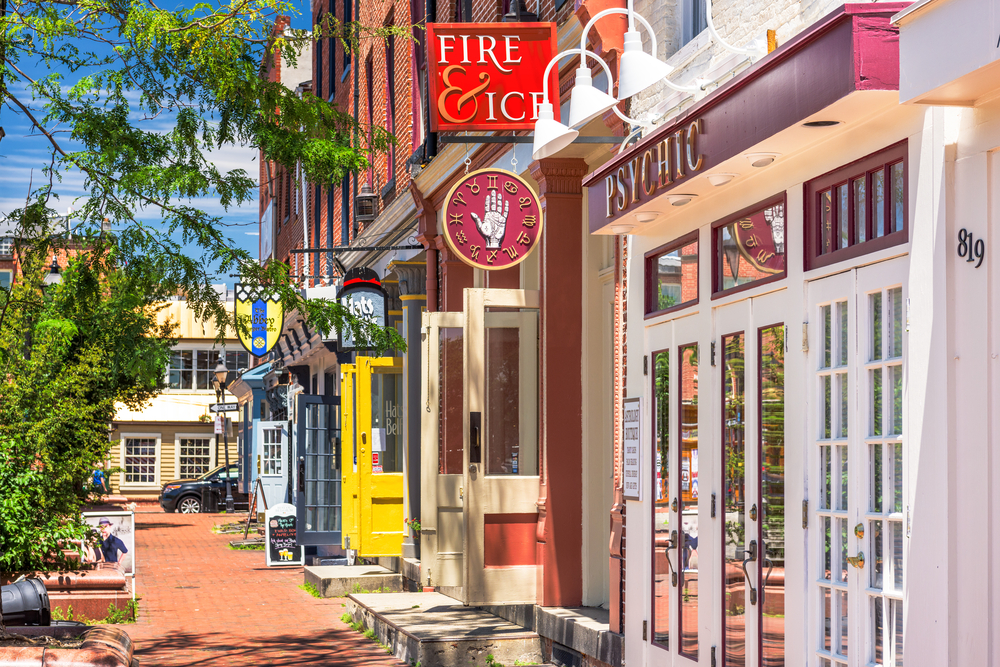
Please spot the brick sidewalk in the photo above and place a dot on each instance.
(203, 603)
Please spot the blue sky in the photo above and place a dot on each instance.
(24, 154)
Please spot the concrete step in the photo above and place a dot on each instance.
(338, 580)
(437, 631)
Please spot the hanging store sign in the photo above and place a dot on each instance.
(488, 76)
(493, 219)
(363, 296)
(259, 319)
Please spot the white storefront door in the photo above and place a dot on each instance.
(856, 485)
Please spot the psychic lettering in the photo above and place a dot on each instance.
(672, 159)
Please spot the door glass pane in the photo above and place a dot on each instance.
(896, 617)
(842, 329)
(828, 547)
(772, 453)
(824, 313)
(451, 370)
(842, 561)
(842, 399)
(842, 644)
(842, 458)
(735, 602)
(875, 452)
(511, 377)
(827, 619)
(826, 475)
(876, 325)
(895, 308)
(877, 625)
(827, 407)
(896, 406)
(875, 376)
(897, 476)
(387, 419)
(688, 534)
(875, 537)
(322, 467)
(896, 537)
(661, 507)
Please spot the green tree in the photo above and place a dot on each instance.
(135, 98)
(68, 354)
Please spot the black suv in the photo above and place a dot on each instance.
(184, 495)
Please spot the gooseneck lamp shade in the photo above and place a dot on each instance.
(586, 102)
(221, 373)
(638, 70)
(53, 276)
(551, 136)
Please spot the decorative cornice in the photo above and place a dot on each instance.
(559, 176)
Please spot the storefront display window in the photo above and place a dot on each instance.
(672, 276)
(750, 247)
(387, 418)
(857, 209)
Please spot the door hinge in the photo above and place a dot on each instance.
(805, 336)
(713, 353)
(645, 364)
(713, 505)
(805, 514)
(714, 664)
(644, 631)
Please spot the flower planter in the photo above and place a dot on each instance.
(99, 647)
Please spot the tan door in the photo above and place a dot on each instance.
(501, 480)
(442, 531)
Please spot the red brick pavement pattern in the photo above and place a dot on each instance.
(205, 604)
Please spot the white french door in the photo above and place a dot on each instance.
(749, 357)
(856, 481)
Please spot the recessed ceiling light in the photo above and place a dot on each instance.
(720, 179)
(621, 229)
(646, 216)
(821, 123)
(762, 159)
(680, 200)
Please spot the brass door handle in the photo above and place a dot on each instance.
(857, 561)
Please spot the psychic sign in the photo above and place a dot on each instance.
(488, 76)
(492, 219)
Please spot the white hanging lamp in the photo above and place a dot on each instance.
(586, 102)
(639, 70)
(551, 136)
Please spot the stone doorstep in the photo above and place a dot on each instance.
(438, 631)
(338, 580)
(584, 630)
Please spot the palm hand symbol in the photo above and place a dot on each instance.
(493, 224)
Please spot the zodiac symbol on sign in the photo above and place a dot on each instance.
(493, 224)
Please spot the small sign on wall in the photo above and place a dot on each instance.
(632, 448)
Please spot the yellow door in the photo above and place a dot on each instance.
(373, 442)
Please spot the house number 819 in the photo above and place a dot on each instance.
(969, 249)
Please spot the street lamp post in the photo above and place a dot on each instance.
(221, 377)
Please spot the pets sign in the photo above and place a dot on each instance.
(488, 76)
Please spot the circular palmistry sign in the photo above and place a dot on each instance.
(492, 219)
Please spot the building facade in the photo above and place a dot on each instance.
(174, 436)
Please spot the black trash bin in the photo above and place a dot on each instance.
(209, 499)
(26, 603)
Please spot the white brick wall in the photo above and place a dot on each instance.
(737, 21)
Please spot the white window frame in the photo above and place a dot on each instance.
(156, 468)
(213, 449)
(194, 347)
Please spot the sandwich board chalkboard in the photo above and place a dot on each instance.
(279, 536)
